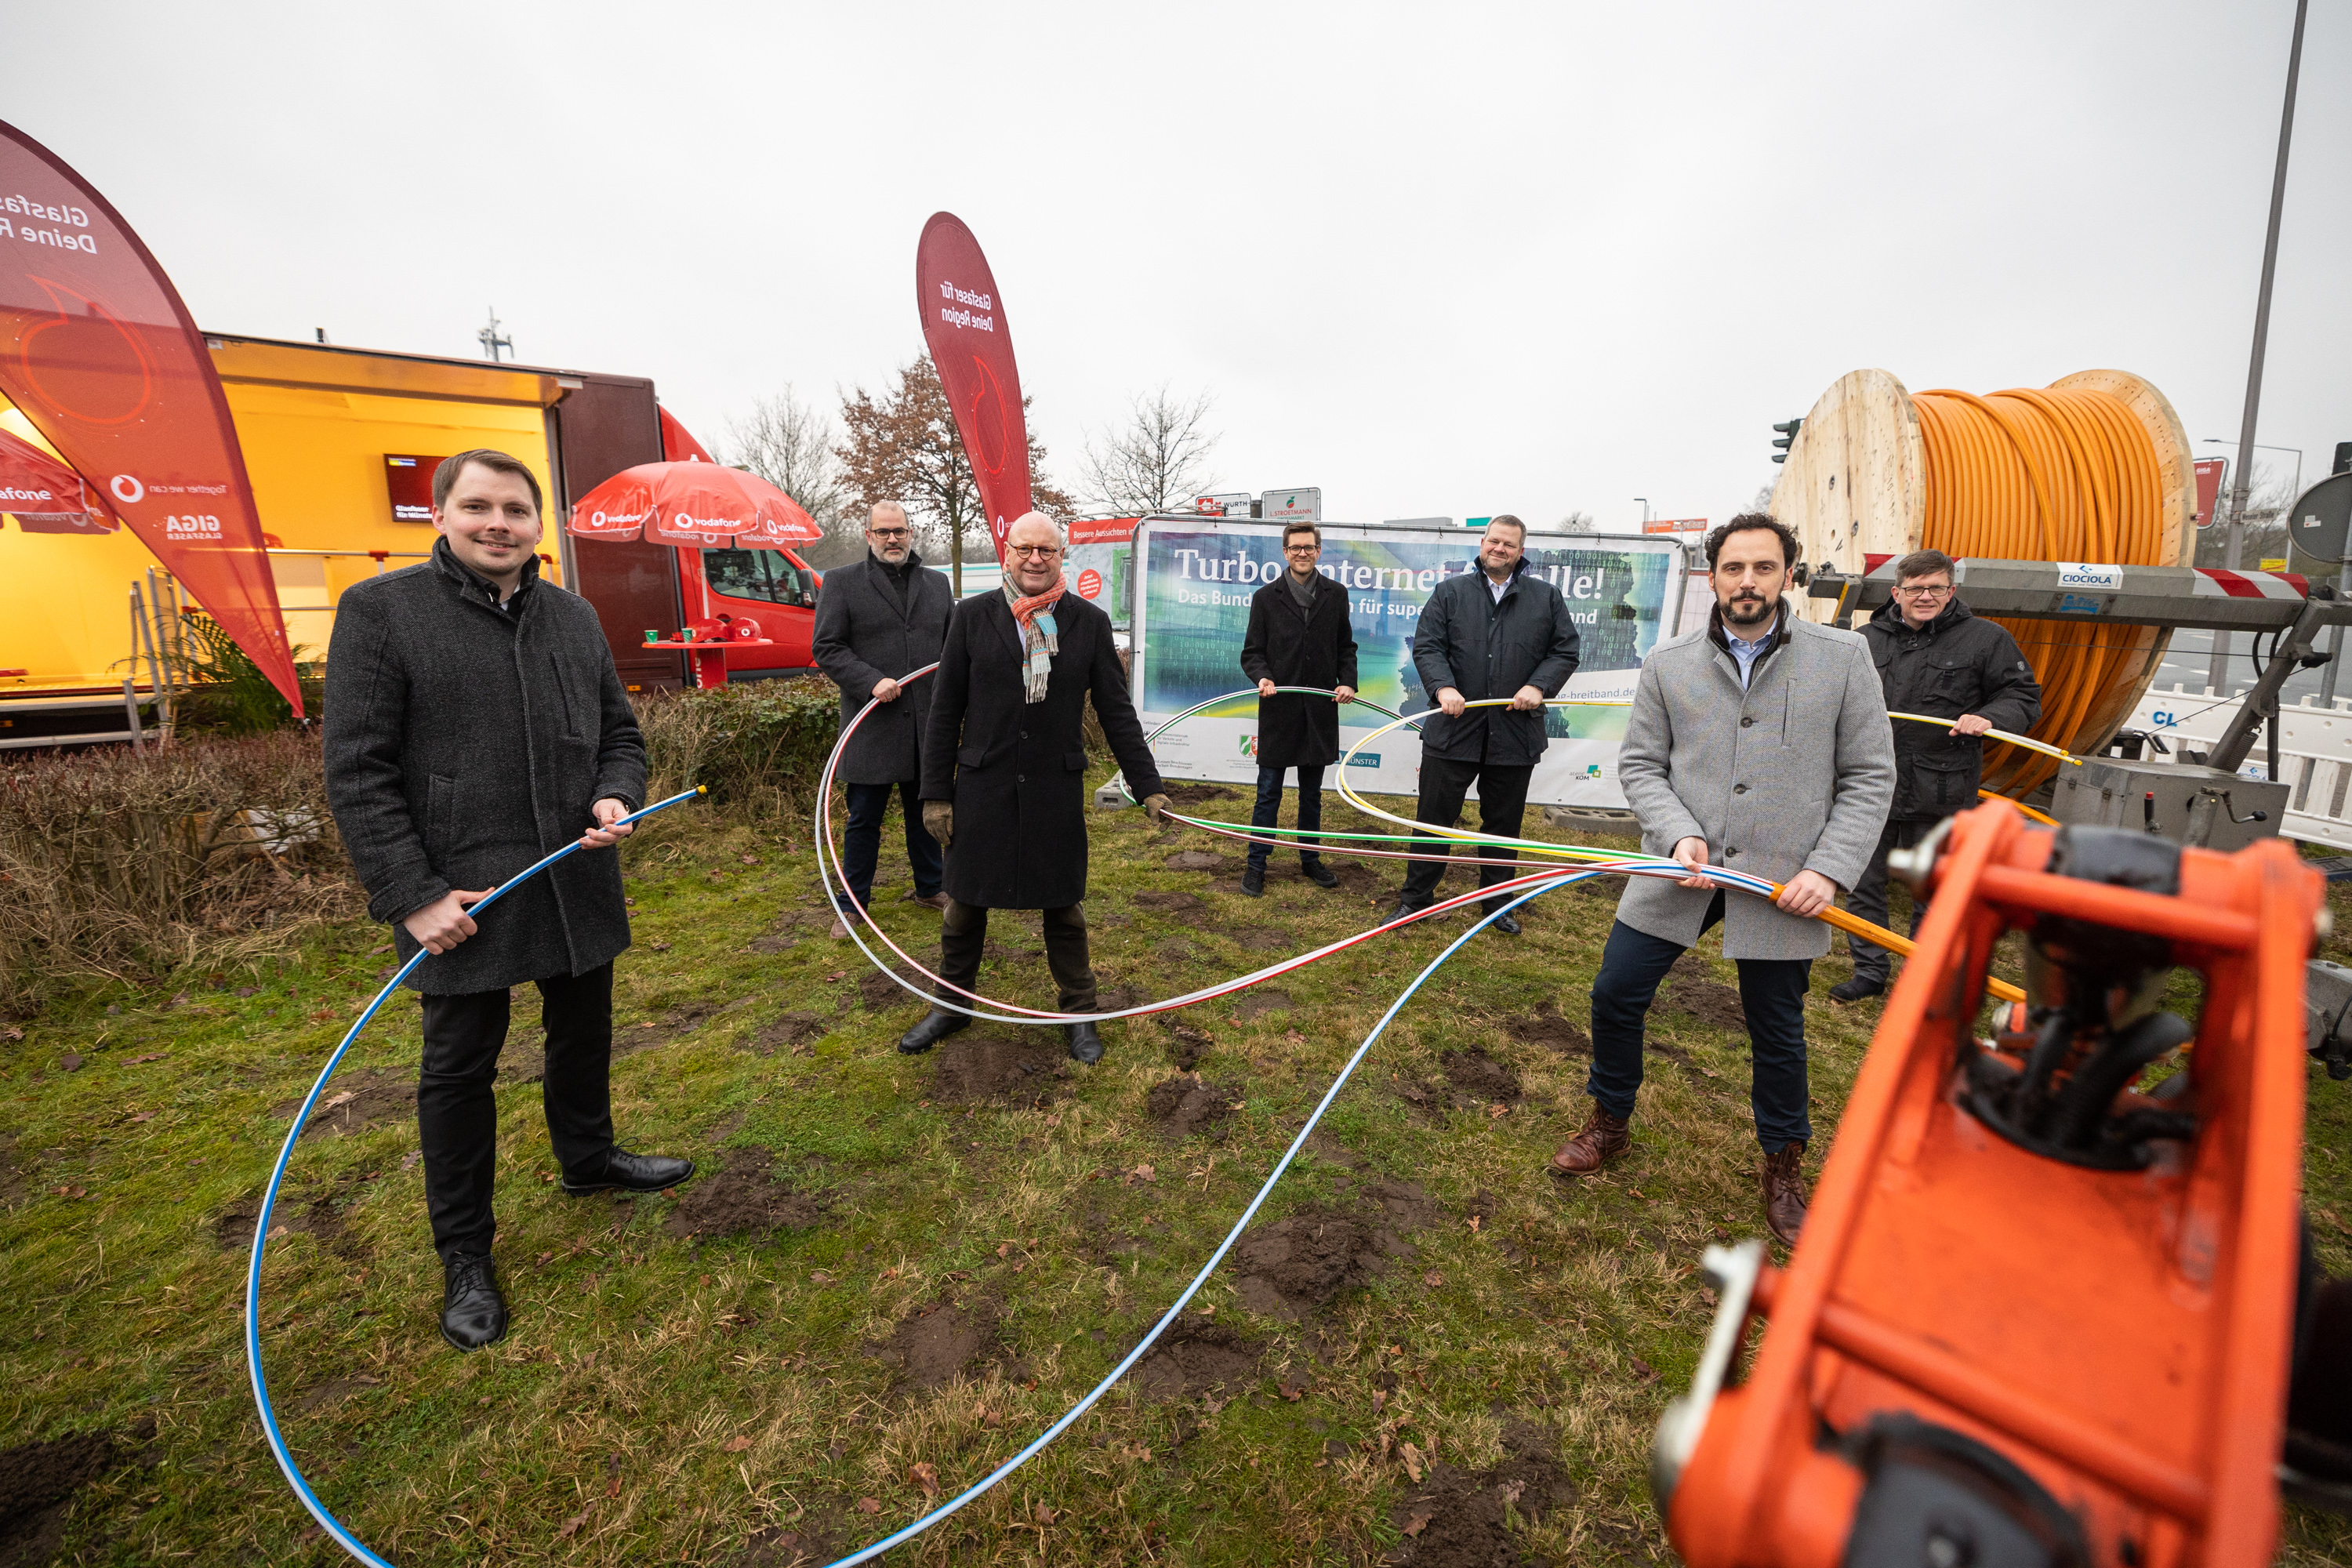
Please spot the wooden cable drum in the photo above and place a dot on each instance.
(2094, 468)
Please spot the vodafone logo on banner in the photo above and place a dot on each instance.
(127, 491)
(1090, 584)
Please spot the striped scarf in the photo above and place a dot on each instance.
(1039, 636)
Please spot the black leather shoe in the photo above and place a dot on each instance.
(1507, 924)
(1086, 1044)
(1858, 989)
(935, 1026)
(1405, 906)
(1254, 881)
(473, 1313)
(629, 1172)
(1319, 873)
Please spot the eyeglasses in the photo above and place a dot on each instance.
(887, 533)
(1036, 551)
(1926, 591)
(1301, 549)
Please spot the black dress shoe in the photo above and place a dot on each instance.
(1085, 1045)
(1319, 873)
(473, 1313)
(1406, 907)
(629, 1172)
(1254, 881)
(1508, 925)
(1861, 988)
(935, 1026)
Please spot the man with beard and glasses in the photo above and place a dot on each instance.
(1005, 772)
(1761, 743)
(876, 621)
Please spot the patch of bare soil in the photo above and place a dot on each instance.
(1188, 1103)
(1428, 1101)
(1119, 998)
(37, 1482)
(1407, 1204)
(1548, 1028)
(1477, 1074)
(335, 1391)
(809, 1540)
(1197, 1355)
(1167, 903)
(316, 1216)
(1690, 966)
(1265, 939)
(988, 1062)
(792, 1033)
(940, 1344)
(1204, 860)
(1177, 950)
(878, 992)
(1296, 1265)
(1260, 999)
(1456, 1518)
(1187, 1045)
(369, 1098)
(1004, 954)
(1189, 797)
(783, 938)
(744, 1199)
(1710, 1002)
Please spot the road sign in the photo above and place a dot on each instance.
(1225, 506)
(2319, 522)
(2210, 472)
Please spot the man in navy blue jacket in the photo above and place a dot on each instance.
(1499, 631)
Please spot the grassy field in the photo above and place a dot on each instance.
(893, 1271)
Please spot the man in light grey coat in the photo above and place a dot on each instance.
(1761, 744)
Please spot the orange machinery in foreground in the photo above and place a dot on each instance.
(2036, 1316)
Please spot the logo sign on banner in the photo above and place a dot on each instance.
(1100, 566)
(1192, 610)
(98, 352)
(1225, 505)
(1293, 506)
(963, 326)
(2209, 487)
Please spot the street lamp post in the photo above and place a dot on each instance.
(2258, 446)
(1645, 509)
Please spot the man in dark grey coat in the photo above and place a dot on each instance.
(474, 724)
(1298, 635)
(875, 622)
(1499, 631)
(1005, 771)
(1935, 656)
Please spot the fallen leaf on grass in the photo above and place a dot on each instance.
(1143, 1174)
(1291, 1392)
(1042, 1514)
(1295, 1037)
(926, 1475)
(1475, 1222)
(142, 1116)
(659, 946)
(408, 1160)
(1649, 1374)
(149, 1056)
(1413, 1462)
(1433, 1278)
(1497, 1111)
(13, 1033)
(70, 1062)
(869, 1505)
(613, 1489)
(70, 1192)
(335, 1099)
(751, 860)
(838, 975)
(571, 1525)
(736, 1444)
(820, 1277)
(1418, 1522)
(1054, 1120)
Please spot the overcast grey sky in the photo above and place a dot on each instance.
(1437, 260)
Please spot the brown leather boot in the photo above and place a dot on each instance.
(1602, 1138)
(1784, 1193)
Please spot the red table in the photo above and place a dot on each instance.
(710, 655)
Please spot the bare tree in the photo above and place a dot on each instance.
(1157, 461)
(1579, 521)
(789, 443)
(2268, 496)
(1762, 500)
(903, 446)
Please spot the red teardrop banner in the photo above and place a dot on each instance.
(96, 350)
(964, 325)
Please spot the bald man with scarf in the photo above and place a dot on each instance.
(1004, 779)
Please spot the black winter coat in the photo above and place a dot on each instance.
(1955, 664)
(463, 742)
(1481, 649)
(1290, 648)
(1017, 771)
(865, 632)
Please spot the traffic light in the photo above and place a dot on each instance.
(1788, 438)
(2343, 459)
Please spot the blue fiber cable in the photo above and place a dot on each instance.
(285, 1457)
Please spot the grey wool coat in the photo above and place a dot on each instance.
(463, 742)
(866, 633)
(1016, 770)
(1794, 774)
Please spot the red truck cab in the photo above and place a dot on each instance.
(774, 588)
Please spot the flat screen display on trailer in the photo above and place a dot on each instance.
(1192, 610)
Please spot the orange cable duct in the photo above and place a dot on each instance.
(2049, 475)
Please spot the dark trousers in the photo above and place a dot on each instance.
(861, 843)
(1268, 810)
(963, 933)
(1868, 900)
(1502, 803)
(1771, 993)
(457, 1115)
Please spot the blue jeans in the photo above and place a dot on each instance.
(1772, 995)
(861, 845)
(1268, 809)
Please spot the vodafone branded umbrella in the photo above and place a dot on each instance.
(43, 494)
(694, 505)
